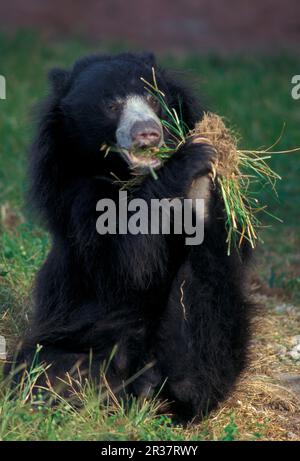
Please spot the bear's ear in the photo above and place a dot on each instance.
(149, 58)
(184, 102)
(59, 80)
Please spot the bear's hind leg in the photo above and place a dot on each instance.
(202, 339)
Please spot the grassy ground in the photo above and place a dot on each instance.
(254, 94)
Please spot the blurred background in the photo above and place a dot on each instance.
(179, 26)
(241, 55)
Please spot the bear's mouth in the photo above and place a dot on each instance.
(141, 159)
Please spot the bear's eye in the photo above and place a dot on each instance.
(114, 106)
(153, 102)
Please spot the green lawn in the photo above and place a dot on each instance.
(254, 94)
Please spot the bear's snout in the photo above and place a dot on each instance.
(146, 134)
(139, 126)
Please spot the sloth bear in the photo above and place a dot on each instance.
(176, 316)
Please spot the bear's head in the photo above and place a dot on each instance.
(103, 100)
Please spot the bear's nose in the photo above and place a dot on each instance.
(146, 134)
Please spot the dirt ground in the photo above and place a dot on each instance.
(267, 399)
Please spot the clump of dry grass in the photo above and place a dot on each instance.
(213, 128)
(235, 172)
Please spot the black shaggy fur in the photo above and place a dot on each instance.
(94, 292)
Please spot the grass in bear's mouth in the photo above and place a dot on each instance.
(141, 161)
(143, 158)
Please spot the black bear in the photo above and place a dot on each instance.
(179, 312)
